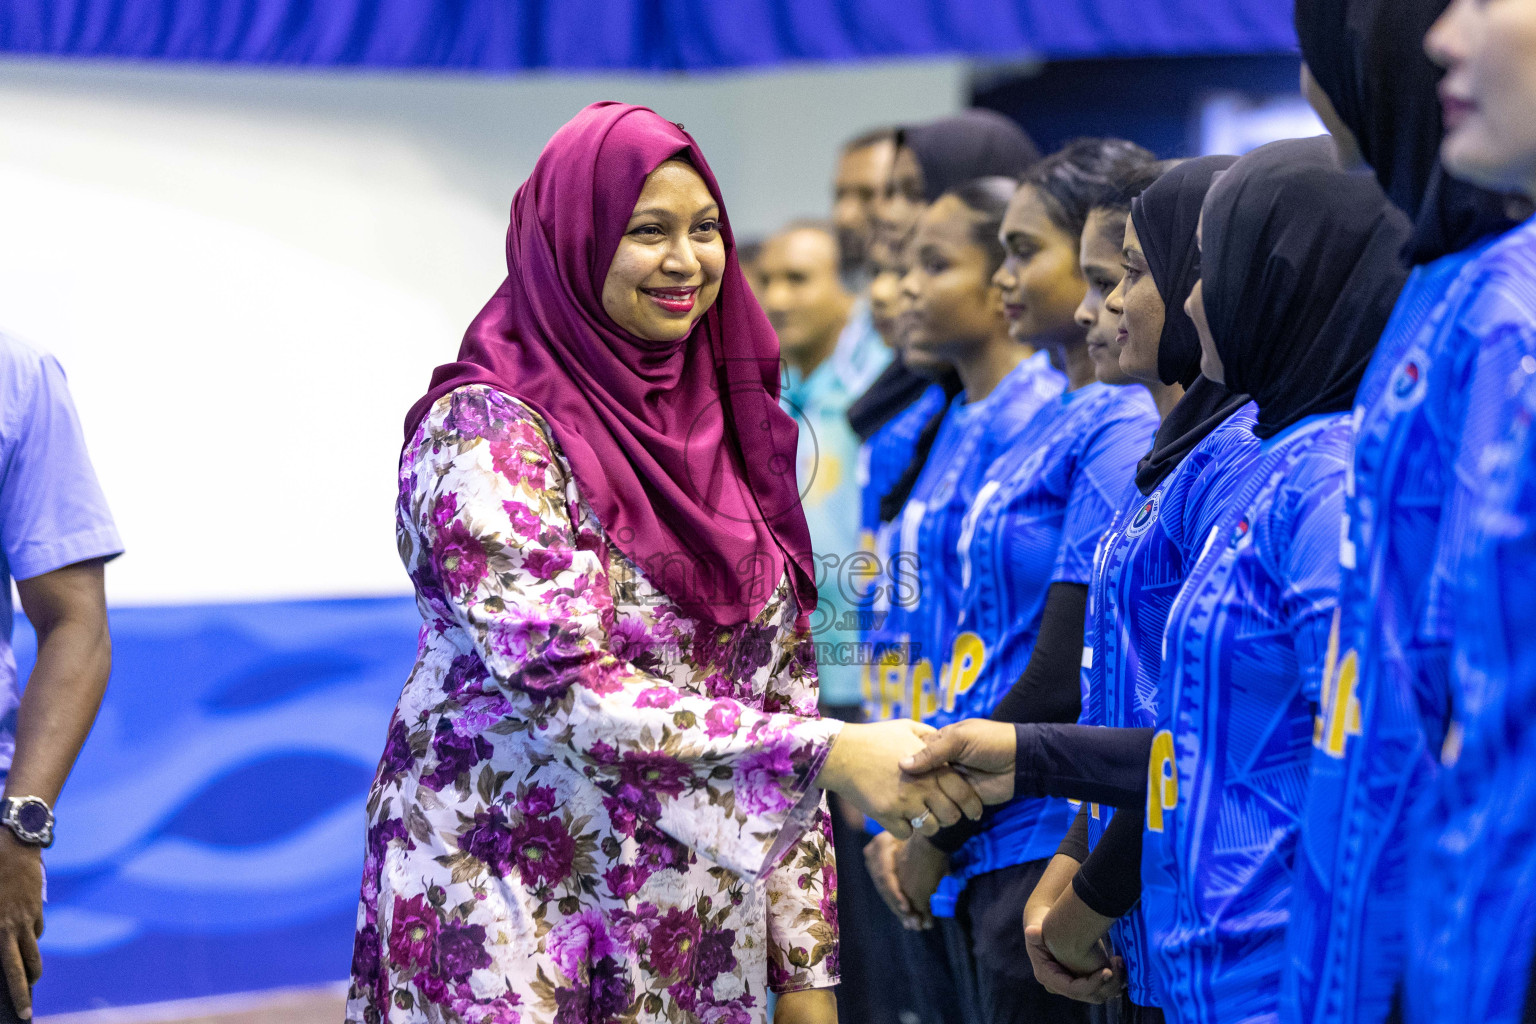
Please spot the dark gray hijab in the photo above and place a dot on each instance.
(1368, 56)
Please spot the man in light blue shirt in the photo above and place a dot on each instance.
(831, 354)
(55, 537)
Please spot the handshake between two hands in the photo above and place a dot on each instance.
(914, 779)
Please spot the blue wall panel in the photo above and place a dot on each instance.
(651, 35)
(210, 839)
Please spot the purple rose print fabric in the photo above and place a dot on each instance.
(588, 808)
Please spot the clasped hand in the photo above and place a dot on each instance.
(864, 766)
(979, 750)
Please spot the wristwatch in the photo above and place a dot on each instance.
(29, 818)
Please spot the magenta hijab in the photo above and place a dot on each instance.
(680, 447)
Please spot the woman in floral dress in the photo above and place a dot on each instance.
(600, 794)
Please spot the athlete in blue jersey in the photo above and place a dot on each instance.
(1017, 542)
(1473, 874)
(1223, 777)
(1246, 639)
(1203, 446)
(954, 315)
(1472, 859)
(1386, 700)
(933, 159)
(1035, 521)
(884, 459)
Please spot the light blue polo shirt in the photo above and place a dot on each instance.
(52, 512)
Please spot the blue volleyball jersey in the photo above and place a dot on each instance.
(1141, 564)
(882, 461)
(916, 604)
(1472, 877)
(1227, 779)
(1386, 696)
(1422, 428)
(1034, 517)
(885, 457)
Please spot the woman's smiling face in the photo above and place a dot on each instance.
(1142, 312)
(1040, 281)
(666, 272)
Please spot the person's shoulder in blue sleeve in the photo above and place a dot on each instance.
(1122, 427)
(52, 511)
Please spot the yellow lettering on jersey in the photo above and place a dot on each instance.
(925, 691)
(1330, 666)
(966, 660)
(1342, 706)
(1093, 812)
(1162, 780)
(1340, 718)
(891, 681)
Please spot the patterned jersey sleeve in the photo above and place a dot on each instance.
(1105, 466)
(1308, 514)
(485, 521)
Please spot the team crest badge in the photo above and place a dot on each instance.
(1145, 516)
(1240, 531)
(1408, 386)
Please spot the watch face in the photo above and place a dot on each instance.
(32, 817)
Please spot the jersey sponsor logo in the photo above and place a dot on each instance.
(1340, 718)
(1162, 780)
(1145, 516)
(966, 660)
(925, 690)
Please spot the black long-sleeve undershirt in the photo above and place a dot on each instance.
(1075, 843)
(1082, 762)
(1109, 881)
(1047, 690)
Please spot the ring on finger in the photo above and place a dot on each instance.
(919, 821)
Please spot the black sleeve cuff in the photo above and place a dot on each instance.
(1075, 843)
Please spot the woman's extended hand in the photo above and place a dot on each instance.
(808, 1006)
(980, 749)
(864, 766)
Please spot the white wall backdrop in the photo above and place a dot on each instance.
(249, 275)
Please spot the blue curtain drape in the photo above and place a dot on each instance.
(647, 35)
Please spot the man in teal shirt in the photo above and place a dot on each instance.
(831, 355)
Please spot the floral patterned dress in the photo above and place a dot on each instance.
(589, 807)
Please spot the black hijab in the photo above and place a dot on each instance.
(1166, 215)
(896, 388)
(1368, 56)
(950, 152)
(1300, 273)
(973, 144)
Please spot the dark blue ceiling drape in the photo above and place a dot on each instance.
(647, 35)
